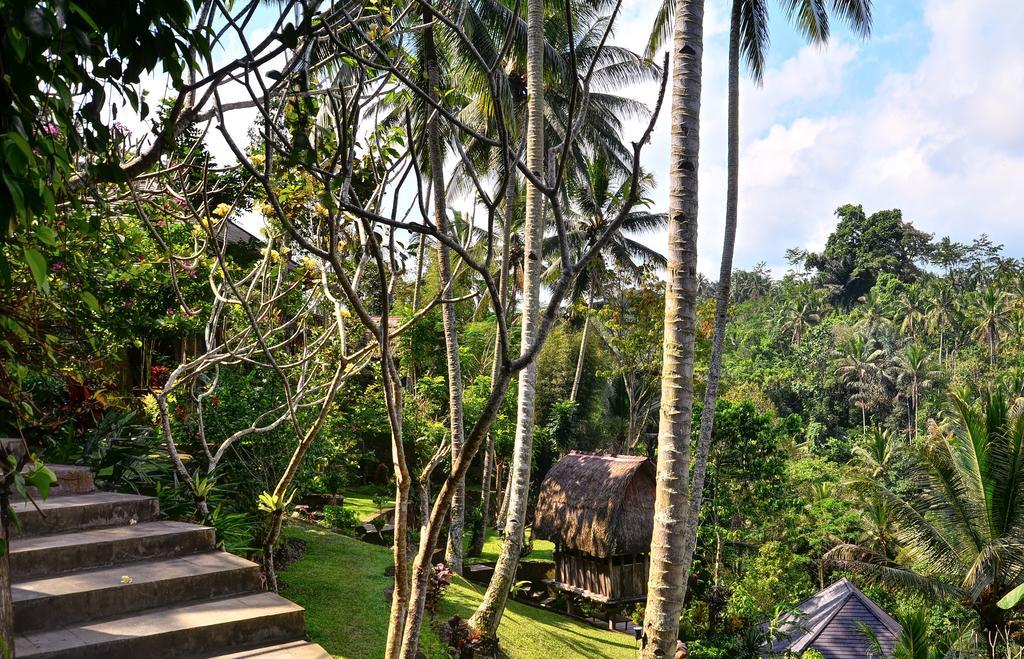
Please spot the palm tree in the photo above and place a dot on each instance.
(859, 364)
(667, 580)
(916, 641)
(914, 370)
(598, 193)
(912, 309)
(435, 165)
(488, 614)
(800, 312)
(748, 38)
(942, 304)
(874, 313)
(958, 530)
(874, 457)
(994, 317)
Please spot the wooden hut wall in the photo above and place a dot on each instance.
(584, 572)
(618, 577)
(629, 576)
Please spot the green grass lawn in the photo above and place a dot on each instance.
(542, 549)
(527, 632)
(360, 500)
(341, 583)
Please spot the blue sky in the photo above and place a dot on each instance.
(923, 116)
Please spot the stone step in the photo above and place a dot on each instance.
(294, 650)
(14, 445)
(71, 479)
(201, 629)
(81, 511)
(82, 550)
(76, 597)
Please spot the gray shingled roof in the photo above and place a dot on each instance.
(828, 621)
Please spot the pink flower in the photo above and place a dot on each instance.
(51, 129)
(58, 266)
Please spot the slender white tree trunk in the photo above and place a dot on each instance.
(488, 615)
(666, 588)
(707, 419)
(457, 519)
(583, 353)
(503, 278)
(400, 550)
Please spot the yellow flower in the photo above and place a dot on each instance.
(320, 210)
(221, 210)
(275, 256)
(267, 209)
(258, 160)
(126, 579)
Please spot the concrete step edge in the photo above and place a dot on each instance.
(59, 553)
(77, 597)
(196, 629)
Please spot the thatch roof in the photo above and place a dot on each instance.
(602, 505)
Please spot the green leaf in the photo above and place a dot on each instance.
(46, 235)
(1012, 598)
(91, 300)
(37, 264)
(41, 478)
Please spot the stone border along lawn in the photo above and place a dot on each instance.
(341, 583)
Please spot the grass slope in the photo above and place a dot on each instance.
(527, 632)
(360, 500)
(341, 583)
(543, 550)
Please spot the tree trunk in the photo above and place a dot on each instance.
(285, 482)
(503, 508)
(430, 533)
(411, 357)
(503, 279)
(453, 554)
(666, 586)
(707, 419)
(400, 597)
(6, 599)
(583, 352)
(488, 615)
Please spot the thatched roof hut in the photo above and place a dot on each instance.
(599, 512)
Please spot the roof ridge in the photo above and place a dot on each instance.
(830, 613)
(890, 623)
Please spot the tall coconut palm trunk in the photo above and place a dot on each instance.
(578, 377)
(707, 419)
(503, 277)
(487, 616)
(666, 585)
(454, 551)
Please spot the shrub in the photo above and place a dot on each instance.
(440, 579)
(340, 517)
(464, 642)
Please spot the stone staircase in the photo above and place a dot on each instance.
(98, 575)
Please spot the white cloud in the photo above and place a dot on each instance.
(943, 141)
